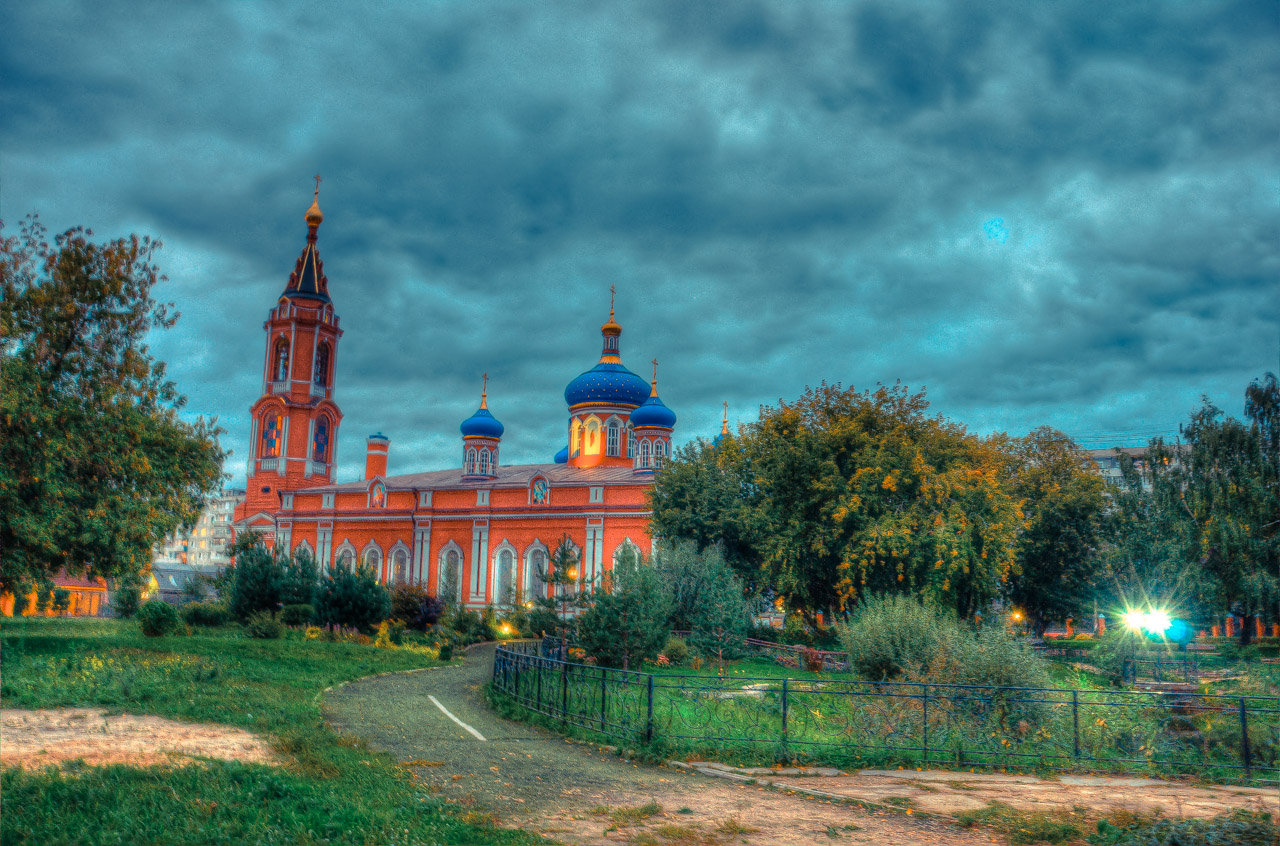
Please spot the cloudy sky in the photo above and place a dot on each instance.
(1047, 213)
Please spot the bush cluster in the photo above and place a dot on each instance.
(206, 613)
(263, 625)
(157, 618)
(352, 599)
(297, 614)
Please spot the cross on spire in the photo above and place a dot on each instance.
(612, 291)
(484, 392)
(318, 181)
(724, 424)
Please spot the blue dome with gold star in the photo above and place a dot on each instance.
(607, 383)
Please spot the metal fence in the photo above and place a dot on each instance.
(857, 723)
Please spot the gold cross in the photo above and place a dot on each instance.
(318, 181)
(612, 291)
(655, 370)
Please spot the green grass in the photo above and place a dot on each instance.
(329, 790)
(1027, 827)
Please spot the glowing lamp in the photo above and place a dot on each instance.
(1134, 620)
(1158, 622)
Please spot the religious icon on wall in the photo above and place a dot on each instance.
(379, 498)
(540, 491)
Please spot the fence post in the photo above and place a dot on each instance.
(602, 686)
(925, 704)
(648, 729)
(784, 710)
(537, 665)
(1244, 740)
(564, 691)
(1075, 723)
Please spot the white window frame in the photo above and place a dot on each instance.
(595, 493)
(482, 497)
(326, 500)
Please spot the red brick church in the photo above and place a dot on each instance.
(480, 531)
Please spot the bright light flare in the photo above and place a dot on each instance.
(1156, 621)
(1134, 620)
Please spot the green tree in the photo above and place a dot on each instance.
(551, 613)
(257, 577)
(719, 625)
(96, 466)
(352, 599)
(688, 572)
(842, 493)
(627, 621)
(1059, 547)
(1227, 478)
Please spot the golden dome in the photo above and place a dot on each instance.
(314, 216)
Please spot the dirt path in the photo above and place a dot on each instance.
(532, 779)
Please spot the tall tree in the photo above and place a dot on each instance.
(1227, 478)
(1059, 546)
(95, 464)
(842, 493)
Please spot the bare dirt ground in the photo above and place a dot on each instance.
(33, 739)
(950, 793)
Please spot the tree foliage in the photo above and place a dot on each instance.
(95, 464)
(1225, 476)
(844, 493)
(354, 599)
(627, 621)
(1059, 546)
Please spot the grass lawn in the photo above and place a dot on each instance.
(330, 790)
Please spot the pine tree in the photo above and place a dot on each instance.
(628, 621)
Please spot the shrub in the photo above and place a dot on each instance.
(352, 599)
(314, 633)
(20, 595)
(263, 625)
(61, 600)
(890, 635)
(125, 601)
(298, 614)
(677, 651)
(812, 660)
(446, 651)
(205, 613)
(415, 606)
(157, 618)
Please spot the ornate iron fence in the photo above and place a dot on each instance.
(846, 722)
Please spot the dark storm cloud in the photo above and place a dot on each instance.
(1048, 213)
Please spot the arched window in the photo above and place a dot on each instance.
(643, 460)
(631, 442)
(575, 437)
(400, 566)
(612, 438)
(469, 466)
(591, 437)
(450, 587)
(347, 559)
(320, 443)
(535, 585)
(373, 561)
(504, 582)
(321, 374)
(659, 453)
(484, 462)
(281, 368)
(272, 431)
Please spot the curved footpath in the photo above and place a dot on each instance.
(530, 778)
(437, 722)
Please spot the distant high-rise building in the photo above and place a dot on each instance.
(205, 545)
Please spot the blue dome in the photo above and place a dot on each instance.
(607, 384)
(483, 424)
(562, 457)
(653, 413)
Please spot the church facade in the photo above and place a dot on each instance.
(480, 532)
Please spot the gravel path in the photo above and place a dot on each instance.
(573, 793)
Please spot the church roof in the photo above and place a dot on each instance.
(308, 279)
(518, 476)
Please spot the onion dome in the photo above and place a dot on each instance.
(608, 383)
(308, 279)
(482, 424)
(562, 457)
(653, 412)
(724, 426)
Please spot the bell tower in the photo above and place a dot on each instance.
(293, 433)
